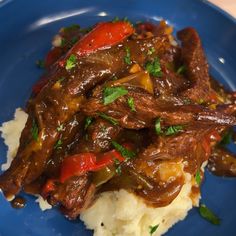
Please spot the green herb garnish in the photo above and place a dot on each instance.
(58, 144)
(71, 27)
(74, 40)
(110, 94)
(158, 126)
(207, 214)
(61, 79)
(115, 19)
(181, 70)
(227, 138)
(63, 42)
(60, 127)
(152, 229)
(198, 178)
(40, 64)
(35, 130)
(151, 51)
(88, 122)
(71, 62)
(127, 154)
(174, 129)
(154, 67)
(127, 57)
(118, 166)
(108, 118)
(131, 104)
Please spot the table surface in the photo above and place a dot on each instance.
(227, 5)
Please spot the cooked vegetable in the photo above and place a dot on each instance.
(131, 104)
(154, 67)
(110, 94)
(207, 214)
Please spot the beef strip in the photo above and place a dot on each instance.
(148, 109)
(196, 66)
(73, 196)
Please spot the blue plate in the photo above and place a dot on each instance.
(26, 30)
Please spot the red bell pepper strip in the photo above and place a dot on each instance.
(79, 164)
(104, 35)
(52, 56)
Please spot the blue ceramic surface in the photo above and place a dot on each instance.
(26, 30)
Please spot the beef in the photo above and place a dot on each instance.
(73, 196)
(148, 109)
(196, 66)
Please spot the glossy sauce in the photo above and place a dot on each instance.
(18, 202)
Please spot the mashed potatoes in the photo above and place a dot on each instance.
(118, 213)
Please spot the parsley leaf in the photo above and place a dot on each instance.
(108, 118)
(118, 166)
(60, 127)
(174, 129)
(34, 130)
(40, 64)
(127, 57)
(198, 178)
(71, 62)
(158, 126)
(131, 104)
(154, 67)
(88, 122)
(207, 214)
(151, 51)
(227, 137)
(123, 151)
(152, 229)
(115, 19)
(58, 144)
(181, 70)
(71, 28)
(110, 94)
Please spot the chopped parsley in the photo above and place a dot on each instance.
(152, 229)
(207, 214)
(40, 64)
(34, 130)
(171, 130)
(154, 67)
(63, 42)
(58, 144)
(118, 166)
(127, 57)
(115, 19)
(227, 138)
(174, 129)
(127, 154)
(60, 127)
(181, 70)
(131, 104)
(158, 126)
(71, 27)
(71, 62)
(108, 118)
(110, 94)
(61, 79)
(151, 51)
(74, 40)
(88, 122)
(198, 178)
